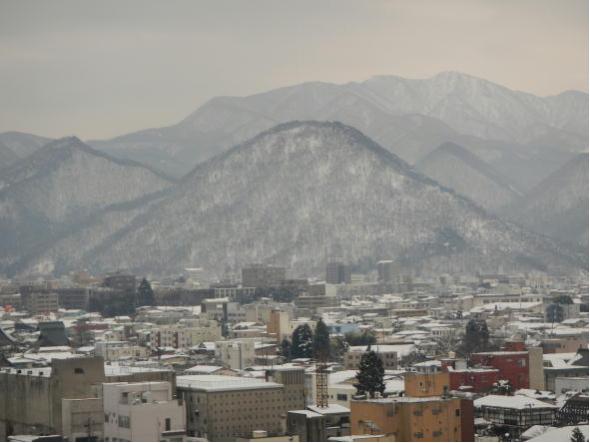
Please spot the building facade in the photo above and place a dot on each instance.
(142, 412)
(427, 413)
(225, 408)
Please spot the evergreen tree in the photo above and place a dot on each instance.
(286, 348)
(577, 435)
(338, 347)
(302, 342)
(477, 337)
(321, 341)
(145, 294)
(555, 313)
(563, 300)
(370, 375)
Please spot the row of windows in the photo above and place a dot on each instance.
(434, 434)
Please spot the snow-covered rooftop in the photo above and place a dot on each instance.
(560, 434)
(211, 383)
(511, 402)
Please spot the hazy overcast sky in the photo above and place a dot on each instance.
(103, 68)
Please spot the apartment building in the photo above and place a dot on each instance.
(388, 354)
(186, 334)
(40, 302)
(293, 381)
(426, 413)
(237, 353)
(279, 324)
(263, 276)
(225, 408)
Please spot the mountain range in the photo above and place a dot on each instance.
(558, 206)
(285, 197)
(522, 134)
(454, 173)
(457, 168)
(61, 186)
(18, 145)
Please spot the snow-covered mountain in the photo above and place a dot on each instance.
(293, 192)
(409, 117)
(60, 186)
(18, 145)
(22, 144)
(558, 206)
(457, 168)
(7, 156)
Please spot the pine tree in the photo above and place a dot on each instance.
(302, 342)
(577, 435)
(370, 375)
(477, 337)
(555, 313)
(321, 341)
(338, 348)
(145, 294)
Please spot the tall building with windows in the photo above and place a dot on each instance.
(263, 276)
(224, 408)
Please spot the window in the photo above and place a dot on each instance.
(123, 421)
(342, 397)
(167, 424)
(78, 371)
(437, 433)
(418, 435)
(457, 412)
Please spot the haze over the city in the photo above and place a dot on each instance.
(326, 220)
(101, 69)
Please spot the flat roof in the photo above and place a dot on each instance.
(219, 383)
(512, 402)
(332, 408)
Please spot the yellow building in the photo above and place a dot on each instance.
(426, 385)
(426, 413)
(279, 324)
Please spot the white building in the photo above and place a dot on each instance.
(119, 350)
(142, 411)
(186, 334)
(236, 354)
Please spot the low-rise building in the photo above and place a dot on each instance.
(511, 365)
(119, 350)
(185, 336)
(387, 353)
(516, 413)
(142, 412)
(236, 354)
